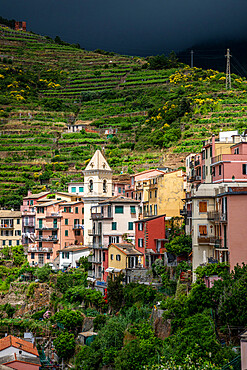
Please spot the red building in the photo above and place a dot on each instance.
(151, 238)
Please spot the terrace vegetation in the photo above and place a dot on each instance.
(159, 109)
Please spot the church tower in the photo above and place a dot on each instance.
(97, 187)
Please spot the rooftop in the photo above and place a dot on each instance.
(74, 248)
(9, 213)
(38, 195)
(150, 218)
(119, 199)
(127, 248)
(11, 341)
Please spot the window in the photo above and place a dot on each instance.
(17, 232)
(31, 202)
(244, 169)
(211, 151)
(67, 255)
(150, 194)
(113, 239)
(155, 193)
(62, 254)
(32, 256)
(130, 226)
(3, 242)
(66, 233)
(48, 256)
(140, 226)
(28, 202)
(127, 195)
(18, 221)
(77, 232)
(90, 186)
(66, 221)
(103, 257)
(203, 172)
(119, 190)
(132, 209)
(151, 210)
(104, 186)
(220, 170)
(114, 226)
(119, 209)
(40, 245)
(82, 210)
(73, 189)
(155, 210)
(202, 207)
(10, 242)
(118, 257)
(203, 230)
(111, 257)
(206, 153)
(236, 151)
(17, 242)
(132, 195)
(203, 154)
(140, 243)
(81, 189)
(76, 210)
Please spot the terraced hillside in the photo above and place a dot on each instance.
(143, 117)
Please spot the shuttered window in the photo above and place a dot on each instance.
(202, 207)
(203, 230)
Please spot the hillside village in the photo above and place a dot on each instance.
(123, 192)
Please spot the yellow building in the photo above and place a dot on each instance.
(165, 194)
(11, 228)
(123, 256)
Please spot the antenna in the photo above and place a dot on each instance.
(228, 70)
(191, 58)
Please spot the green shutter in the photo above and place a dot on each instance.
(119, 209)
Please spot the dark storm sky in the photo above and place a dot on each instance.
(135, 27)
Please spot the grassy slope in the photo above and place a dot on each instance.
(48, 85)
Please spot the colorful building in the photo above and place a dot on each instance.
(150, 238)
(11, 228)
(113, 222)
(123, 257)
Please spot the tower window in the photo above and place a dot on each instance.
(104, 186)
(91, 185)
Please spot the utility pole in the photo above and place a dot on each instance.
(191, 58)
(228, 70)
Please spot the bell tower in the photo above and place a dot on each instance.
(97, 187)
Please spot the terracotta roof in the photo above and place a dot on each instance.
(38, 195)
(73, 248)
(50, 203)
(11, 341)
(127, 248)
(9, 213)
(70, 203)
(119, 199)
(149, 218)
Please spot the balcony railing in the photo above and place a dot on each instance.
(100, 216)
(77, 226)
(96, 246)
(47, 239)
(36, 249)
(153, 186)
(53, 214)
(203, 239)
(6, 226)
(94, 232)
(93, 259)
(29, 224)
(185, 213)
(44, 228)
(217, 216)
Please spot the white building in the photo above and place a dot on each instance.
(76, 188)
(70, 256)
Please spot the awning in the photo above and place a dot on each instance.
(66, 264)
(109, 269)
(117, 270)
(91, 279)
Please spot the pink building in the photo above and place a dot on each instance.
(231, 167)
(28, 215)
(58, 224)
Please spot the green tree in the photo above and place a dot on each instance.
(43, 273)
(65, 345)
(115, 293)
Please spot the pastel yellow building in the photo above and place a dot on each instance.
(165, 194)
(123, 256)
(11, 228)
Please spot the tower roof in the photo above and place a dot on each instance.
(98, 162)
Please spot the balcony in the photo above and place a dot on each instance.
(53, 239)
(217, 216)
(55, 215)
(94, 232)
(29, 224)
(96, 246)
(77, 227)
(153, 186)
(93, 259)
(7, 226)
(41, 250)
(185, 213)
(28, 213)
(197, 163)
(44, 228)
(203, 239)
(91, 273)
(101, 216)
